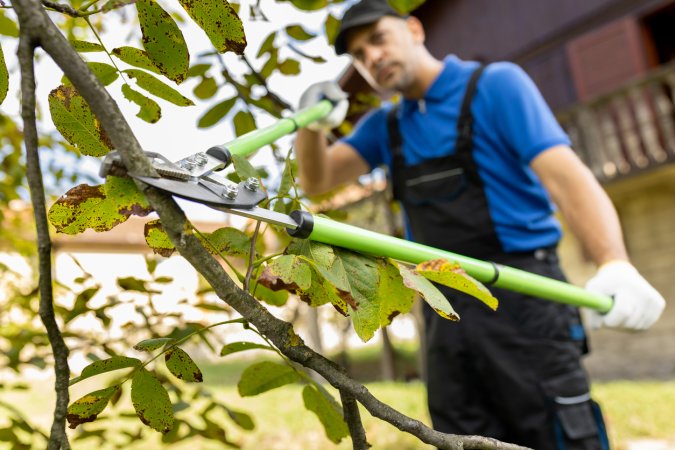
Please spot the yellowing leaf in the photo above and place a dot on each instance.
(429, 293)
(151, 401)
(452, 275)
(157, 239)
(76, 122)
(4, 77)
(264, 376)
(229, 241)
(98, 207)
(163, 40)
(150, 110)
(328, 411)
(182, 366)
(87, 408)
(157, 87)
(220, 22)
(287, 272)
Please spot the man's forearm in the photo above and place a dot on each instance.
(310, 150)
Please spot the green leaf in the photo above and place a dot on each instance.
(243, 123)
(86, 47)
(157, 87)
(206, 89)
(7, 26)
(150, 111)
(182, 366)
(429, 293)
(264, 376)
(285, 185)
(135, 57)
(216, 113)
(236, 347)
(310, 5)
(114, 4)
(289, 67)
(328, 411)
(267, 45)
(157, 239)
(151, 401)
(104, 366)
(405, 6)
(243, 168)
(105, 73)
(452, 275)
(76, 122)
(220, 22)
(163, 40)
(98, 207)
(87, 408)
(332, 26)
(230, 241)
(244, 421)
(135, 284)
(274, 298)
(4, 77)
(149, 345)
(299, 33)
(198, 70)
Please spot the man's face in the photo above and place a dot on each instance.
(384, 53)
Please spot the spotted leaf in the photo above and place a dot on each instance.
(220, 22)
(182, 366)
(106, 365)
(151, 401)
(163, 40)
(76, 122)
(429, 292)
(150, 111)
(87, 408)
(157, 87)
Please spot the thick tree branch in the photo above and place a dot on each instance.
(281, 333)
(353, 419)
(58, 439)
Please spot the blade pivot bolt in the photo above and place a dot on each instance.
(230, 191)
(252, 184)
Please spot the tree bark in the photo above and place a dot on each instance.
(58, 439)
(281, 333)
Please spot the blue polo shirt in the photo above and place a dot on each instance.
(512, 125)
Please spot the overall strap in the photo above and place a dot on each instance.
(464, 143)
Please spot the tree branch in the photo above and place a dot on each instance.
(353, 419)
(281, 333)
(58, 439)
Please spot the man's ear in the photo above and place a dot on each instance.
(416, 29)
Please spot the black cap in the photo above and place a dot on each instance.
(364, 12)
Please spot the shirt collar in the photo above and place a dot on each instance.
(441, 86)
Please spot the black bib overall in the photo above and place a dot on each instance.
(513, 374)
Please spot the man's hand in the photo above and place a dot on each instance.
(637, 305)
(326, 90)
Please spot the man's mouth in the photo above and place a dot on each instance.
(384, 73)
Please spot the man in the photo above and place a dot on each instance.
(475, 157)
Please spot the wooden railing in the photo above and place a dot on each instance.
(628, 130)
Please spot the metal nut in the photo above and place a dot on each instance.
(201, 158)
(252, 184)
(230, 191)
(188, 165)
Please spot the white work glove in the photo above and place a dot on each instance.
(637, 305)
(326, 90)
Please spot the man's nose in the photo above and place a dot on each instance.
(373, 56)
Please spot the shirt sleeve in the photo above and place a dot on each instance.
(368, 137)
(520, 114)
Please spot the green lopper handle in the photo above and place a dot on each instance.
(365, 241)
(250, 142)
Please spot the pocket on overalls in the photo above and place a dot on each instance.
(577, 419)
(445, 184)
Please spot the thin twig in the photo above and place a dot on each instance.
(58, 439)
(263, 82)
(353, 419)
(251, 257)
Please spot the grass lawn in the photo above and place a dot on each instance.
(634, 410)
